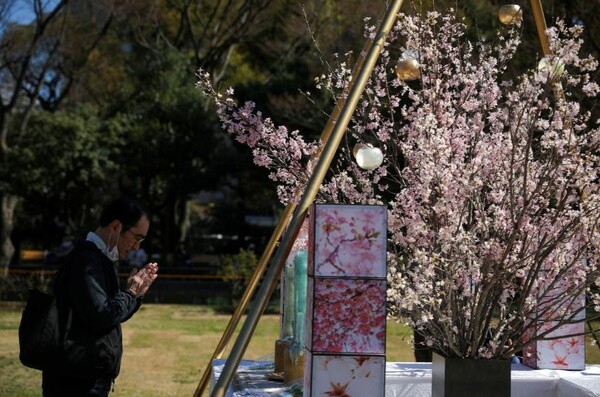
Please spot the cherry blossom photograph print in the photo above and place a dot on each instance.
(349, 240)
(347, 376)
(563, 353)
(349, 316)
(559, 353)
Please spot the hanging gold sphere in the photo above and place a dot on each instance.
(510, 14)
(408, 69)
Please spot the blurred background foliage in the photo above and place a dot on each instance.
(98, 99)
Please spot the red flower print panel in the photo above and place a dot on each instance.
(349, 316)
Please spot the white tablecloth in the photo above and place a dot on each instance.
(408, 379)
(577, 383)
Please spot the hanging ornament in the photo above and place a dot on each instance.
(358, 146)
(510, 14)
(408, 67)
(367, 157)
(553, 67)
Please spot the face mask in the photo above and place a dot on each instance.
(113, 253)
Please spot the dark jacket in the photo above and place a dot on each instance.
(88, 287)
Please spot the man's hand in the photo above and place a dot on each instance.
(140, 280)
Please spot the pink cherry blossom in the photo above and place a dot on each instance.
(490, 183)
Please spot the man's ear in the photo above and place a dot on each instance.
(115, 226)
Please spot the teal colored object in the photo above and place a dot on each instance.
(289, 300)
(300, 281)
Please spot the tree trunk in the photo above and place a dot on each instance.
(8, 203)
(182, 218)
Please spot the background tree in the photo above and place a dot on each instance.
(68, 156)
(39, 64)
(174, 148)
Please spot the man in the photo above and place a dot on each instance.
(88, 291)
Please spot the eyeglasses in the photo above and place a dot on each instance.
(137, 237)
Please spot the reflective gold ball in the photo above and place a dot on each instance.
(510, 14)
(408, 69)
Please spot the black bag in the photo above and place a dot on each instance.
(40, 332)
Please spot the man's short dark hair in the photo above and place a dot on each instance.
(124, 209)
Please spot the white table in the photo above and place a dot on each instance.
(577, 383)
(408, 379)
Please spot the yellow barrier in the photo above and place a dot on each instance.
(32, 255)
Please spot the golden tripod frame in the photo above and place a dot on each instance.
(295, 213)
(329, 147)
(540, 24)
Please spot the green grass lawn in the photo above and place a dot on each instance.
(167, 347)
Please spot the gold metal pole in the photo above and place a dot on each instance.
(270, 248)
(329, 150)
(540, 24)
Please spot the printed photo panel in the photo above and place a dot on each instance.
(348, 315)
(347, 240)
(562, 353)
(333, 375)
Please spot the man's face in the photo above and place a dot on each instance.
(131, 238)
